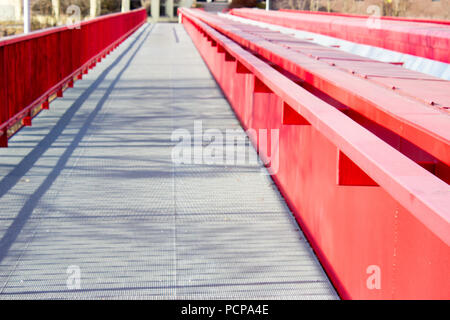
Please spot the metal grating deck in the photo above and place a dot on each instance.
(92, 184)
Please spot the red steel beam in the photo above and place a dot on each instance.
(37, 65)
(426, 127)
(338, 14)
(360, 202)
(428, 40)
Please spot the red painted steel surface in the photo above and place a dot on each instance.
(428, 40)
(403, 120)
(37, 65)
(337, 14)
(359, 201)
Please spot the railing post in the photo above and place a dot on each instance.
(26, 121)
(4, 139)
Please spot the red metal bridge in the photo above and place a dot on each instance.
(128, 187)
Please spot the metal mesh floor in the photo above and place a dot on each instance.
(92, 184)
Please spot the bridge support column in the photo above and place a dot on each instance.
(154, 8)
(169, 8)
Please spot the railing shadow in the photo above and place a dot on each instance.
(10, 180)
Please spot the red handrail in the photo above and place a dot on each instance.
(429, 40)
(35, 66)
(353, 15)
(398, 222)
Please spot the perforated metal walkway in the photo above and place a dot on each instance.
(92, 185)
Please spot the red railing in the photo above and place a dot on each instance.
(36, 66)
(362, 204)
(389, 108)
(430, 40)
(363, 16)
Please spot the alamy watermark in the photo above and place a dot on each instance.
(374, 20)
(373, 281)
(73, 20)
(229, 147)
(73, 281)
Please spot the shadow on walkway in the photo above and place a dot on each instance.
(9, 181)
